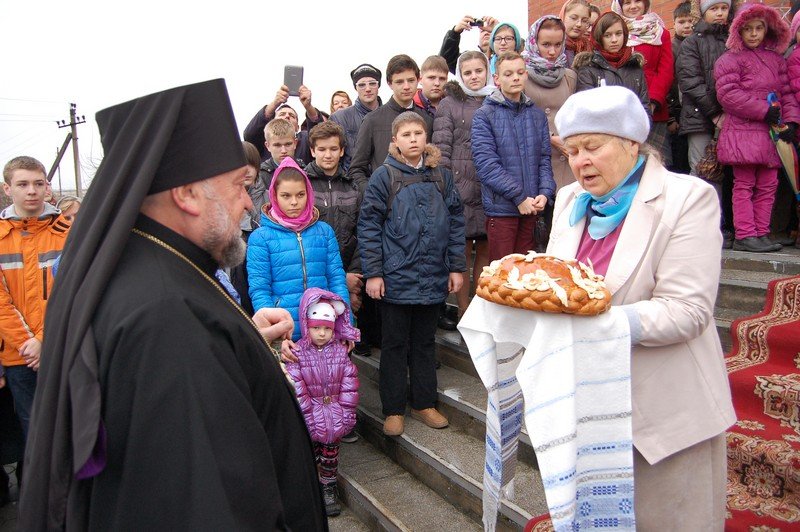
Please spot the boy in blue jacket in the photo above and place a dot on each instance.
(511, 152)
(411, 239)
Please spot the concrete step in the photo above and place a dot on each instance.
(347, 521)
(744, 290)
(462, 399)
(786, 261)
(384, 496)
(450, 462)
(724, 318)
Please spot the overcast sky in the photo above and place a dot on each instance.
(97, 54)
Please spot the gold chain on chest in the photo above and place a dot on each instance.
(213, 283)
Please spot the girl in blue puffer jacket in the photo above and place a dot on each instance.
(292, 250)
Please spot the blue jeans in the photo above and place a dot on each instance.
(21, 381)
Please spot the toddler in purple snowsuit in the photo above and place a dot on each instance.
(326, 381)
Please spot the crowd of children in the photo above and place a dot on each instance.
(443, 179)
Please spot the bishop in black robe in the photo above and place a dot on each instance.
(159, 404)
(203, 430)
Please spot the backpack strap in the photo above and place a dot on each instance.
(398, 181)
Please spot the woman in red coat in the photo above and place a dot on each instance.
(649, 37)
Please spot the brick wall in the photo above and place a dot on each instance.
(537, 8)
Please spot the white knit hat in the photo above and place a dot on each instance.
(321, 314)
(611, 109)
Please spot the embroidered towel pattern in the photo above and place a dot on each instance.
(504, 413)
(574, 378)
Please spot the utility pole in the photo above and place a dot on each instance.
(72, 136)
(74, 129)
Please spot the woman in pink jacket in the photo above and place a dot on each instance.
(326, 381)
(746, 74)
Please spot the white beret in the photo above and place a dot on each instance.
(611, 109)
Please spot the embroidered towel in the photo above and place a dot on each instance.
(569, 376)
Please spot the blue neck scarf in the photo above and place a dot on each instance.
(605, 213)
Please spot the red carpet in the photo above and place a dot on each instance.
(764, 444)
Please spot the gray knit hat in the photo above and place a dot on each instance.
(705, 4)
(612, 110)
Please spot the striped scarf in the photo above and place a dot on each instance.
(571, 382)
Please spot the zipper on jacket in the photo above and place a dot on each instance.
(330, 194)
(44, 284)
(303, 259)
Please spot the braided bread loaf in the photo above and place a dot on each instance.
(544, 283)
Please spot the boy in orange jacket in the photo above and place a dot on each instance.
(32, 235)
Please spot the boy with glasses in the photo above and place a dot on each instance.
(366, 80)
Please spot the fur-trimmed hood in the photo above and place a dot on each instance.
(431, 156)
(585, 58)
(454, 90)
(777, 37)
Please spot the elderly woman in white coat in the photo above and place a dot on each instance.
(649, 232)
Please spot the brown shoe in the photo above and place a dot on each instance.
(393, 426)
(431, 417)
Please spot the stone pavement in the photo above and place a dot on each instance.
(346, 522)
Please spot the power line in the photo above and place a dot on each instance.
(27, 120)
(31, 136)
(31, 101)
(24, 131)
(28, 115)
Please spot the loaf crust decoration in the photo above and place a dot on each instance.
(544, 283)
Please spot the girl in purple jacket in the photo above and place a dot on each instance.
(326, 381)
(746, 74)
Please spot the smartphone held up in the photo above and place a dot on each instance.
(293, 79)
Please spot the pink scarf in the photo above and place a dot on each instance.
(302, 221)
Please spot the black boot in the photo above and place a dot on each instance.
(751, 244)
(727, 239)
(331, 499)
(363, 349)
(445, 322)
(765, 239)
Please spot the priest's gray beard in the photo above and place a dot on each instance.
(223, 236)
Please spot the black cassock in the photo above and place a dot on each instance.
(203, 430)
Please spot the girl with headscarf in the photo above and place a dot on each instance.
(452, 135)
(293, 249)
(505, 38)
(576, 14)
(648, 36)
(550, 82)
